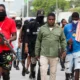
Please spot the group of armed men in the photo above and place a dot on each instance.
(40, 41)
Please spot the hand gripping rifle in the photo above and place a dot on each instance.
(2, 39)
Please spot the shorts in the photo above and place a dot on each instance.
(18, 54)
(31, 50)
(23, 54)
(72, 59)
(6, 58)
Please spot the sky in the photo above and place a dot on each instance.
(15, 6)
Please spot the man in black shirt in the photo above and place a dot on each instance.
(29, 35)
(34, 28)
(23, 39)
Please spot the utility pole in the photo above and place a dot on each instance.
(57, 10)
(27, 8)
(22, 12)
(27, 2)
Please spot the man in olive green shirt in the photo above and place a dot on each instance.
(47, 46)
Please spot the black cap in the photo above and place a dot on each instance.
(40, 13)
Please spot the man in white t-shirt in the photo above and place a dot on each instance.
(17, 48)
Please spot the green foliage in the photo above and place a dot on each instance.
(75, 2)
(77, 9)
(50, 5)
(78, 3)
(44, 4)
(63, 5)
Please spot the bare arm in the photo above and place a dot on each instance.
(13, 37)
(26, 47)
(20, 34)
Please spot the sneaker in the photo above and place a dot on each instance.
(17, 68)
(30, 76)
(72, 77)
(33, 79)
(14, 64)
(23, 72)
(62, 69)
(48, 72)
(27, 72)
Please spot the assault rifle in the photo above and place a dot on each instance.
(2, 39)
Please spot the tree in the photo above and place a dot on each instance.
(50, 5)
(63, 5)
(43, 4)
(76, 3)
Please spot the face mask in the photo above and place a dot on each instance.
(40, 19)
(75, 22)
(2, 15)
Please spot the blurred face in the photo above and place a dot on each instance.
(64, 22)
(40, 19)
(75, 20)
(51, 20)
(2, 13)
(2, 9)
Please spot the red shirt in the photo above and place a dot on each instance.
(7, 27)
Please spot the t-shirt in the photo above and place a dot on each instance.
(7, 27)
(15, 43)
(70, 33)
(51, 28)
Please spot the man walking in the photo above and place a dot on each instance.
(47, 45)
(8, 29)
(72, 33)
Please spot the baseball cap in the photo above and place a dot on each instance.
(40, 13)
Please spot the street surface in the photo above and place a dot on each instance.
(16, 74)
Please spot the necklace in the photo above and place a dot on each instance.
(1, 26)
